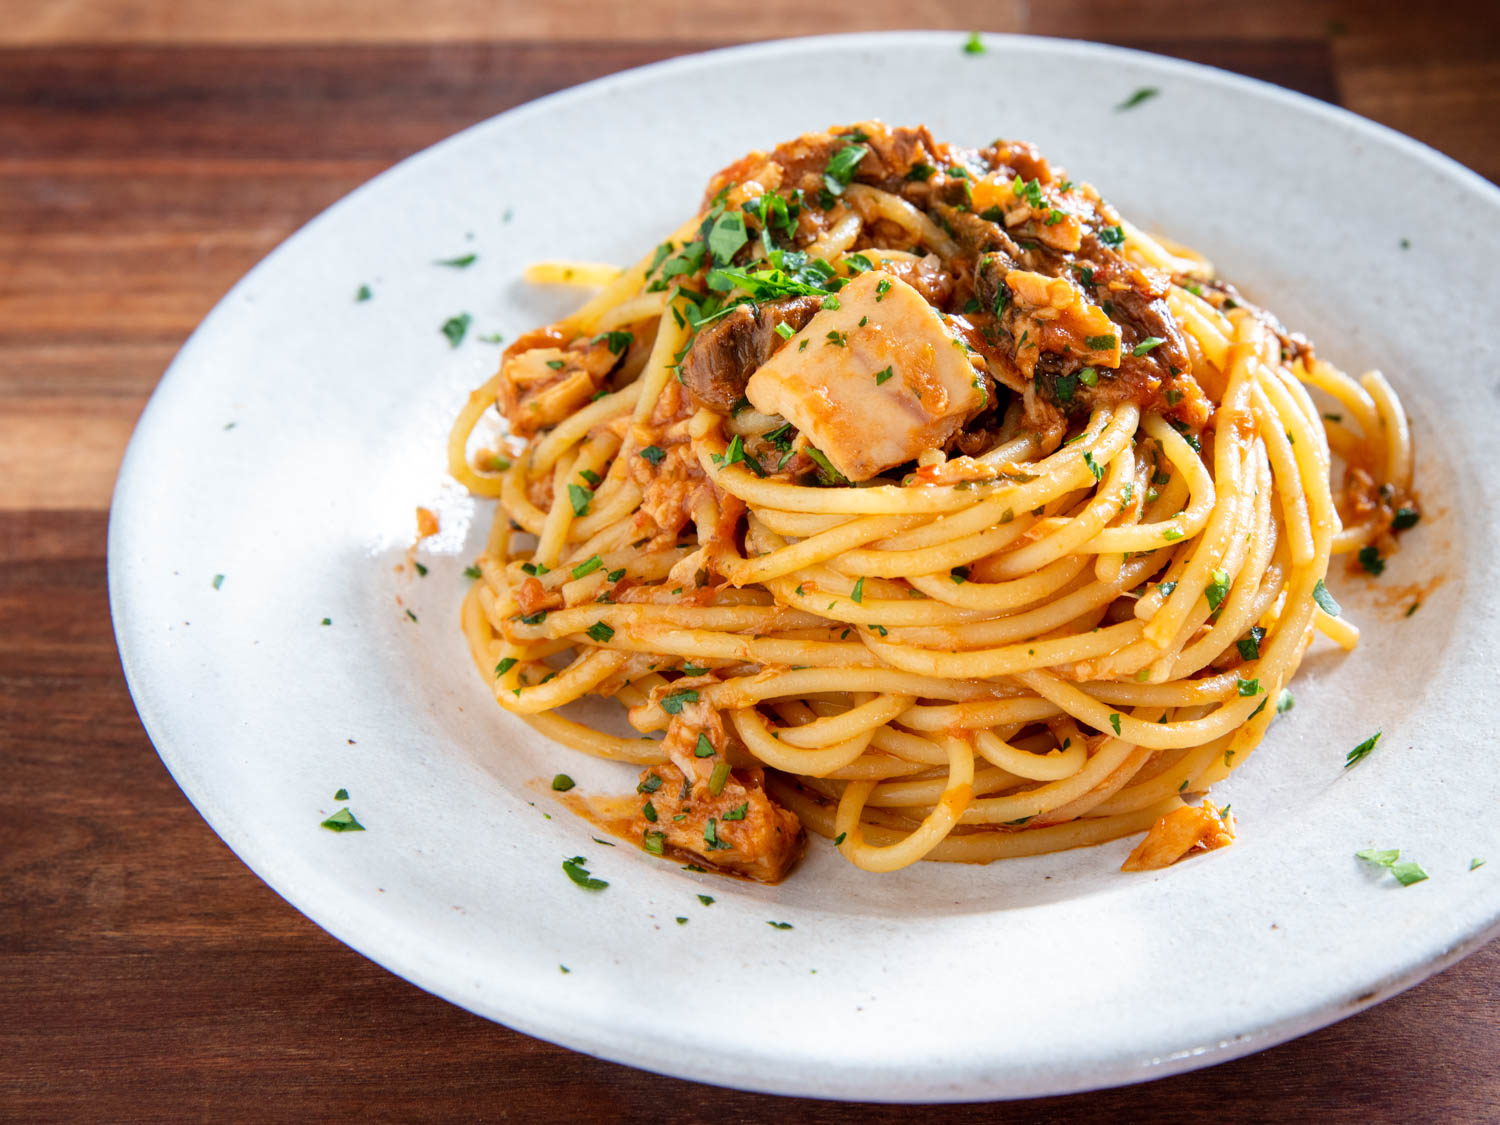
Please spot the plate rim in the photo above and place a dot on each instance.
(594, 1040)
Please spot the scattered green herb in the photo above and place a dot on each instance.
(575, 870)
(455, 327)
(1362, 751)
(342, 821)
(1145, 93)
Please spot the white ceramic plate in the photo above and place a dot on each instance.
(938, 982)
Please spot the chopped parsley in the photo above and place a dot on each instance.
(1088, 377)
(342, 821)
(973, 45)
(1406, 871)
(580, 498)
(1284, 702)
(857, 594)
(455, 327)
(1325, 600)
(469, 572)
(1250, 646)
(650, 785)
(1475, 863)
(1362, 751)
(1112, 236)
(882, 376)
(1405, 518)
(672, 704)
(839, 173)
(1101, 343)
(326, 621)
(738, 812)
(562, 783)
(1094, 466)
(780, 925)
(1145, 93)
(588, 566)
(574, 869)
(654, 454)
(1147, 345)
(711, 836)
(720, 776)
(654, 842)
(1370, 559)
(505, 665)
(704, 749)
(1114, 721)
(218, 581)
(1248, 687)
(363, 293)
(421, 570)
(600, 632)
(1216, 590)
(458, 263)
(726, 237)
(341, 795)
(617, 342)
(825, 466)
(882, 287)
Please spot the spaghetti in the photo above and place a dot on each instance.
(922, 501)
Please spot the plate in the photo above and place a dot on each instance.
(298, 429)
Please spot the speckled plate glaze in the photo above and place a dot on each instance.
(298, 429)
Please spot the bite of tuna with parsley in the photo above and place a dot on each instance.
(696, 805)
(875, 380)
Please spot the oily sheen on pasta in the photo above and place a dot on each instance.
(910, 495)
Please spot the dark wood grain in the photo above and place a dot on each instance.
(150, 153)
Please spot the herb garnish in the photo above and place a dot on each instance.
(341, 795)
(1145, 93)
(458, 263)
(455, 327)
(1325, 600)
(1216, 590)
(363, 293)
(1362, 751)
(1147, 345)
(1369, 558)
(973, 45)
(562, 783)
(882, 376)
(672, 704)
(1406, 871)
(839, 173)
(342, 821)
(580, 498)
(600, 632)
(1114, 721)
(575, 870)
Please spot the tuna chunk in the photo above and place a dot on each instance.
(874, 382)
(726, 353)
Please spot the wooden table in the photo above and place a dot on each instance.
(150, 152)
